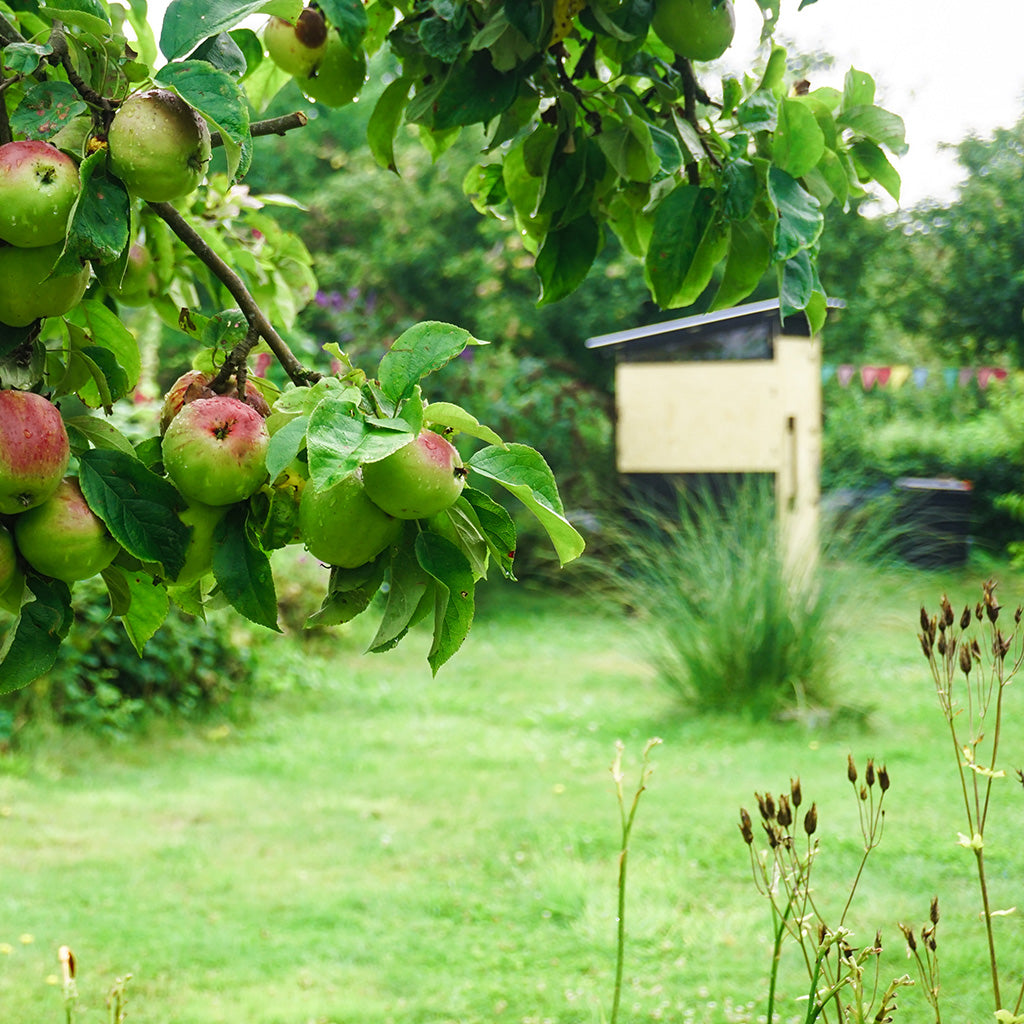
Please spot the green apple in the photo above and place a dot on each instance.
(297, 48)
(695, 29)
(27, 292)
(34, 450)
(38, 187)
(339, 76)
(199, 558)
(341, 526)
(63, 537)
(12, 580)
(158, 145)
(418, 480)
(215, 450)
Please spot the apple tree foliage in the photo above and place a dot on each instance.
(591, 126)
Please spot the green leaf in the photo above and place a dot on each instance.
(349, 18)
(242, 569)
(458, 523)
(104, 330)
(385, 120)
(878, 125)
(497, 527)
(46, 108)
(188, 22)
(218, 97)
(873, 164)
(24, 58)
(349, 593)
(85, 14)
(454, 606)
(417, 352)
(285, 444)
(566, 257)
(410, 588)
(858, 89)
(800, 219)
(798, 284)
(100, 219)
(33, 639)
(750, 256)
(799, 141)
(523, 471)
(680, 222)
(445, 414)
(223, 53)
(139, 508)
(100, 433)
(473, 93)
(628, 146)
(338, 443)
(146, 612)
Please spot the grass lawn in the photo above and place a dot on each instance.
(372, 845)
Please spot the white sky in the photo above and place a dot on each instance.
(948, 67)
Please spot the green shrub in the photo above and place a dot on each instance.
(189, 669)
(727, 620)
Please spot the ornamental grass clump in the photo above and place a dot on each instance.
(731, 620)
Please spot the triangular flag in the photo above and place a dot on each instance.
(868, 376)
(882, 374)
(987, 374)
(844, 374)
(898, 375)
(827, 373)
(949, 374)
(965, 376)
(920, 376)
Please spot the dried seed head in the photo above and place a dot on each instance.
(1017, 614)
(769, 804)
(745, 830)
(947, 611)
(762, 807)
(869, 772)
(909, 936)
(773, 837)
(794, 791)
(965, 617)
(851, 768)
(926, 645)
(811, 820)
(863, 792)
(883, 778)
(992, 610)
(924, 620)
(933, 912)
(965, 661)
(785, 815)
(978, 611)
(941, 645)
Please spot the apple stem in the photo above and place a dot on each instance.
(271, 126)
(255, 316)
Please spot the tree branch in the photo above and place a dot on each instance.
(234, 284)
(62, 55)
(8, 33)
(272, 126)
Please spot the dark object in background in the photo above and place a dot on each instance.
(934, 516)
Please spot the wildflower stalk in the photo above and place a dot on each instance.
(627, 818)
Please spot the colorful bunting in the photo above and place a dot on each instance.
(896, 376)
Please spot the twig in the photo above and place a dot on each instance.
(234, 284)
(62, 55)
(271, 126)
(8, 33)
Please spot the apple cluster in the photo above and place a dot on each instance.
(316, 57)
(45, 521)
(214, 450)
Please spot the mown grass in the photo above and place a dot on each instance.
(370, 844)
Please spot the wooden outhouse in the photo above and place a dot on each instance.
(732, 392)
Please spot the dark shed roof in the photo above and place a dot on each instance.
(692, 331)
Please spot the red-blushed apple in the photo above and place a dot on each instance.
(215, 450)
(418, 480)
(38, 187)
(12, 580)
(27, 292)
(341, 526)
(194, 384)
(297, 48)
(34, 450)
(63, 537)
(158, 145)
(338, 77)
(199, 557)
